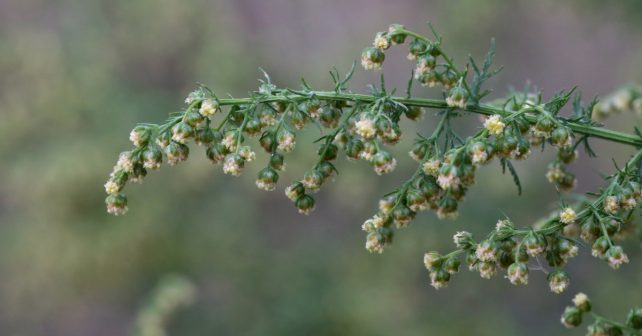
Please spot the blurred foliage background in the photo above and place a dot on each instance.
(75, 76)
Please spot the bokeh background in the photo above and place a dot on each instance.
(75, 76)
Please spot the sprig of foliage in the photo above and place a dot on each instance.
(363, 125)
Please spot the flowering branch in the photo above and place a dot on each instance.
(362, 125)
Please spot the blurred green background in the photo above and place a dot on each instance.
(75, 76)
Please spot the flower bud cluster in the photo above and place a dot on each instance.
(574, 315)
(432, 66)
(511, 249)
(154, 143)
(607, 218)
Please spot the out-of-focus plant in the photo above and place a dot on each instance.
(362, 125)
(172, 293)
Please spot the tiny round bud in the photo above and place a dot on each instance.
(451, 265)
(247, 154)
(457, 97)
(285, 140)
(326, 169)
(448, 177)
(561, 136)
(267, 179)
(312, 180)
(544, 124)
(267, 117)
(216, 152)
(433, 49)
(616, 257)
(117, 180)
(534, 243)
(383, 162)
(276, 162)
(417, 47)
(233, 164)
(237, 114)
(572, 317)
(164, 139)
(298, 119)
(433, 261)
(253, 126)
(152, 158)
(193, 119)
(522, 124)
(402, 215)
(428, 186)
(418, 151)
(582, 302)
(558, 281)
(478, 152)
(268, 141)
(116, 204)
(566, 154)
(138, 174)
(181, 132)
(381, 41)
(600, 246)
(294, 191)
(447, 208)
(567, 216)
(353, 148)
(415, 200)
(567, 249)
(126, 161)
(611, 204)
(463, 240)
(330, 116)
(449, 79)
(439, 278)
(305, 204)
(366, 126)
(328, 153)
(206, 136)
(425, 64)
(494, 124)
(176, 152)
(414, 113)
(487, 269)
(372, 58)
(209, 107)
(472, 262)
(140, 136)
(518, 273)
(395, 31)
(504, 228)
(432, 167)
(430, 79)
(486, 251)
(387, 204)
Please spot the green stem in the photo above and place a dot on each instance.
(484, 109)
(615, 323)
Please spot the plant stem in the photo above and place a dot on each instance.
(287, 96)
